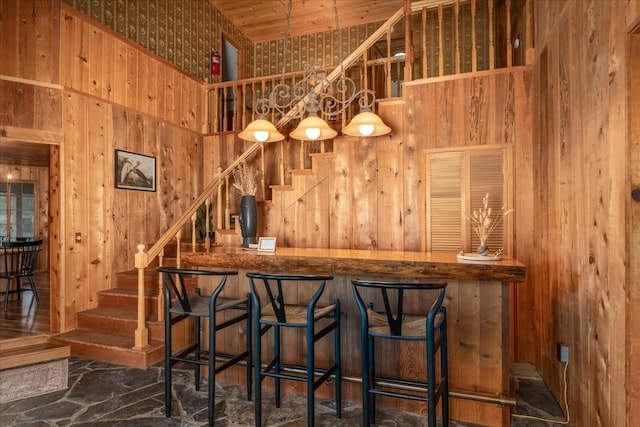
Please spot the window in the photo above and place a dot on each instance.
(457, 181)
(22, 207)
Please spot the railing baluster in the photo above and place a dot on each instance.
(474, 48)
(262, 173)
(219, 222)
(160, 306)
(492, 49)
(509, 45)
(388, 65)
(178, 255)
(440, 43)
(207, 226)
(227, 204)
(456, 29)
(194, 217)
(425, 62)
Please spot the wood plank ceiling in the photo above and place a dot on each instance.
(264, 20)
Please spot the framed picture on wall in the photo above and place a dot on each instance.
(135, 171)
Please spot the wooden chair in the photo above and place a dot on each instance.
(179, 305)
(393, 323)
(283, 310)
(20, 259)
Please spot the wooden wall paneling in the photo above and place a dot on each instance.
(161, 91)
(152, 86)
(47, 109)
(67, 35)
(614, 294)
(132, 77)
(342, 204)
(142, 77)
(27, 49)
(78, 289)
(633, 240)
(166, 184)
(100, 174)
(96, 68)
(136, 210)
(86, 57)
(391, 175)
(47, 39)
(109, 67)
(57, 290)
(9, 27)
(186, 101)
(121, 234)
(169, 96)
(120, 72)
(152, 147)
(365, 181)
(17, 104)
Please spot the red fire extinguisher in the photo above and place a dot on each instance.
(215, 63)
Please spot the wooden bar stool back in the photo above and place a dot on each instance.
(180, 305)
(392, 322)
(281, 309)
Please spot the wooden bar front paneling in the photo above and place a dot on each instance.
(477, 315)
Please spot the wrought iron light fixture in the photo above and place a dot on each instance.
(313, 97)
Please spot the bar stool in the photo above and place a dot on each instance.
(179, 305)
(282, 311)
(393, 323)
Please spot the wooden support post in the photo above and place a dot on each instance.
(141, 338)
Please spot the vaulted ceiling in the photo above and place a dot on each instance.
(263, 20)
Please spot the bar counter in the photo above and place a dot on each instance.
(477, 302)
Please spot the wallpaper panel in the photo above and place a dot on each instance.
(182, 32)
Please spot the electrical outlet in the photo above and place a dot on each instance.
(563, 352)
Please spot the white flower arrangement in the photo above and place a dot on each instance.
(482, 221)
(244, 179)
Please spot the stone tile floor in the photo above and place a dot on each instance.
(102, 394)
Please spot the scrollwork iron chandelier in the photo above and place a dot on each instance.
(309, 99)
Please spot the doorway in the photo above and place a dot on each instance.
(231, 70)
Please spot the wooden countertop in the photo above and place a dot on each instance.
(441, 265)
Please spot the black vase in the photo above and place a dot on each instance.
(248, 220)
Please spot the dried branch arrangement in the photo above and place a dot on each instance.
(244, 179)
(483, 223)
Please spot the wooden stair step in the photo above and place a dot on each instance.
(118, 321)
(111, 348)
(127, 298)
(30, 351)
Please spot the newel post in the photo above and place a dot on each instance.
(142, 333)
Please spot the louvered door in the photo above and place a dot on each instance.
(457, 181)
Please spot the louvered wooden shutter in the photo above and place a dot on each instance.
(457, 181)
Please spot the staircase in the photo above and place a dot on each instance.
(106, 333)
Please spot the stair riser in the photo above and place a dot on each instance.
(127, 302)
(115, 326)
(116, 355)
(152, 282)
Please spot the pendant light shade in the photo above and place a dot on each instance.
(366, 124)
(313, 128)
(261, 130)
